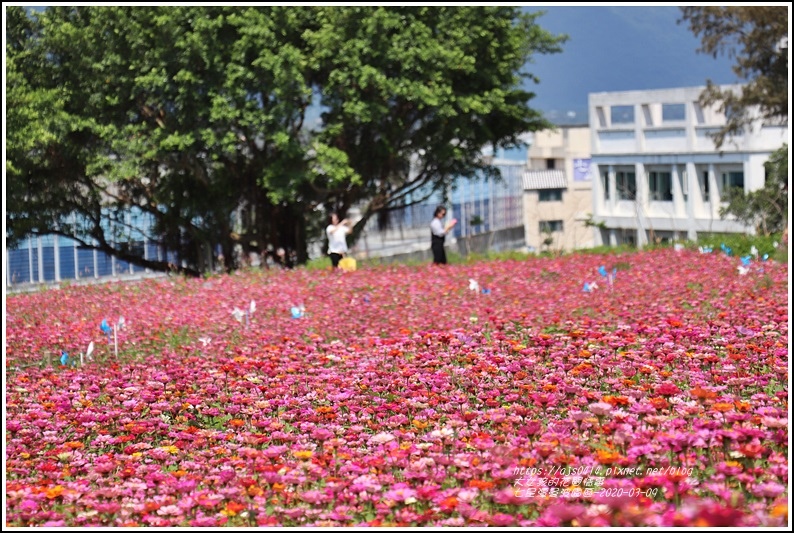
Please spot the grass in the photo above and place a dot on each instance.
(739, 243)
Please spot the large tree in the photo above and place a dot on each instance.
(754, 36)
(411, 95)
(195, 118)
(757, 38)
(189, 115)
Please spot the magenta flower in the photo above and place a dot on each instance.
(410, 413)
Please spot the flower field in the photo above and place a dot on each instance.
(495, 393)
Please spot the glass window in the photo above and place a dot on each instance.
(605, 183)
(704, 186)
(550, 226)
(732, 179)
(626, 184)
(660, 186)
(622, 114)
(550, 195)
(549, 164)
(673, 112)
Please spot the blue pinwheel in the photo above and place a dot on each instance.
(745, 260)
(602, 270)
(64, 358)
(106, 329)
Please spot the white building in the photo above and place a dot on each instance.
(657, 174)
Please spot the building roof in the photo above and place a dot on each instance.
(544, 179)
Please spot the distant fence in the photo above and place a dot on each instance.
(497, 241)
(482, 207)
(493, 241)
(52, 259)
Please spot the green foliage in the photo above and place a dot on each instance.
(741, 244)
(590, 223)
(413, 94)
(606, 249)
(198, 117)
(765, 209)
(183, 114)
(752, 36)
(504, 255)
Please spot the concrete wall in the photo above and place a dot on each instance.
(493, 241)
(497, 241)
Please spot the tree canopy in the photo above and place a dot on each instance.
(765, 209)
(757, 38)
(753, 36)
(197, 118)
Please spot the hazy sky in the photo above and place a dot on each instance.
(613, 48)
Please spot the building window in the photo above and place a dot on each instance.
(660, 186)
(704, 186)
(622, 114)
(732, 179)
(605, 183)
(550, 195)
(673, 112)
(550, 226)
(626, 184)
(550, 164)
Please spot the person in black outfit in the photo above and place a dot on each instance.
(438, 233)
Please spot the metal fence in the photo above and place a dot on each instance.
(481, 206)
(52, 259)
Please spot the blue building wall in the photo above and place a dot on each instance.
(34, 261)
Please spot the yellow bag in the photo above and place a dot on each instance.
(347, 264)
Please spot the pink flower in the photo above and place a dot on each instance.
(768, 490)
(401, 493)
(600, 408)
(407, 413)
(502, 520)
(314, 497)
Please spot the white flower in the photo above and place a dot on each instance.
(382, 438)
